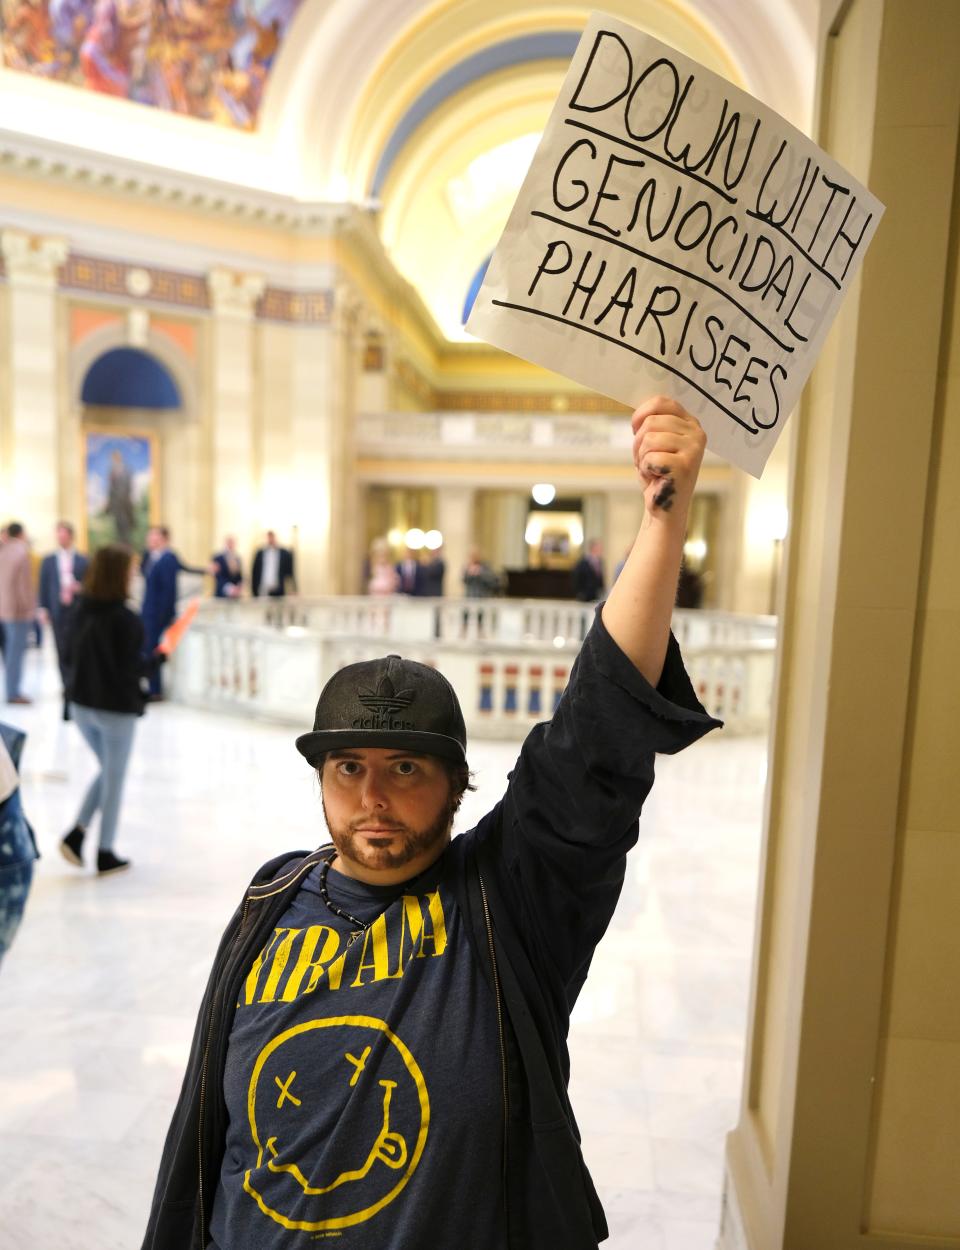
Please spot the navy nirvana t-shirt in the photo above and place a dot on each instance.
(363, 1080)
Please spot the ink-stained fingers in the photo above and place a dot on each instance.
(650, 447)
(655, 465)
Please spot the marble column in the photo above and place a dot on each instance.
(595, 520)
(233, 296)
(455, 523)
(759, 508)
(511, 546)
(30, 484)
(322, 499)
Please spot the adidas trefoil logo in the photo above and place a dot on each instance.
(385, 700)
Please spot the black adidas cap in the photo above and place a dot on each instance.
(390, 702)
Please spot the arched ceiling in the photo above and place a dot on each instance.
(426, 111)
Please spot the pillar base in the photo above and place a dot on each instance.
(732, 1233)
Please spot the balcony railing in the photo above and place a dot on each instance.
(512, 436)
(509, 660)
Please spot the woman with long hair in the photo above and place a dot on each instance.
(382, 578)
(104, 666)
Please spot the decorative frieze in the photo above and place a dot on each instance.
(99, 276)
(40, 258)
(302, 307)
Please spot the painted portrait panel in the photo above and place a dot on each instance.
(206, 58)
(122, 487)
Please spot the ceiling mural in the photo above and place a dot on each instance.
(208, 59)
(422, 113)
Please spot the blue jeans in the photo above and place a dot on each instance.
(15, 635)
(110, 736)
(17, 853)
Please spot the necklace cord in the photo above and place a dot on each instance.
(362, 925)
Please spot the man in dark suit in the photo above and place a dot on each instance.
(410, 572)
(160, 566)
(61, 573)
(588, 573)
(433, 574)
(227, 570)
(272, 570)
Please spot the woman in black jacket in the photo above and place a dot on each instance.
(104, 666)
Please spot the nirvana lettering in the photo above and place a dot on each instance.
(295, 962)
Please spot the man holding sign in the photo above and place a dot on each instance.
(381, 1051)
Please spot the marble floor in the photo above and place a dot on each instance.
(101, 986)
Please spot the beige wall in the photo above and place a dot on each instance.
(849, 1134)
(915, 1155)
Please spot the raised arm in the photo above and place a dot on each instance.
(668, 446)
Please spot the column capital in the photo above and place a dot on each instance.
(234, 294)
(348, 309)
(32, 259)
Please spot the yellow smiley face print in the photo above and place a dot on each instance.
(339, 1115)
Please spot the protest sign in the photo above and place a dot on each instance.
(675, 236)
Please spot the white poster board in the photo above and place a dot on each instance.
(675, 236)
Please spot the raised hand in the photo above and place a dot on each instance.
(668, 447)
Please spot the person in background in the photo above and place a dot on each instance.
(18, 848)
(61, 573)
(35, 634)
(382, 578)
(479, 582)
(18, 607)
(105, 662)
(588, 573)
(433, 571)
(479, 579)
(227, 570)
(273, 569)
(410, 573)
(159, 566)
(690, 588)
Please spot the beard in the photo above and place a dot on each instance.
(384, 853)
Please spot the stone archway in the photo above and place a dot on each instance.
(174, 430)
